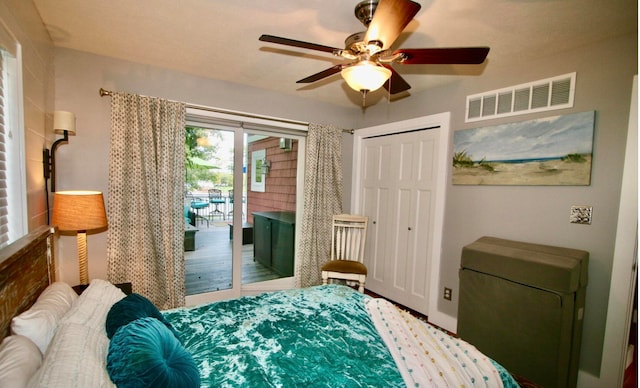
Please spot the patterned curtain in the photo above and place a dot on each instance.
(146, 190)
(322, 199)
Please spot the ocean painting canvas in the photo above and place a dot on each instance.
(548, 151)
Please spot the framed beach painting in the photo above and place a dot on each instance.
(552, 151)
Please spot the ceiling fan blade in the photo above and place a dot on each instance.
(298, 43)
(390, 18)
(439, 56)
(320, 75)
(396, 83)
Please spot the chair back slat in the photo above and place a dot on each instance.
(348, 237)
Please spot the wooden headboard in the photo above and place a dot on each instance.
(26, 269)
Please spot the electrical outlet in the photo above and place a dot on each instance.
(447, 293)
(581, 215)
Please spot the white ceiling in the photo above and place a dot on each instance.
(219, 38)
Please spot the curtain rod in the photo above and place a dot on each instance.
(103, 92)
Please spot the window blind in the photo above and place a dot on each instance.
(13, 181)
(4, 201)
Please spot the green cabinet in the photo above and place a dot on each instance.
(262, 240)
(273, 240)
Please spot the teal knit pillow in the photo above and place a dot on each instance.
(145, 353)
(130, 308)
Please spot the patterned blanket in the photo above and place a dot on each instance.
(315, 337)
(427, 356)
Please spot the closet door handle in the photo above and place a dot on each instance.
(409, 228)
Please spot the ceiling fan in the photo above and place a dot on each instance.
(370, 51)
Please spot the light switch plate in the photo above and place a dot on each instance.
(581, 215)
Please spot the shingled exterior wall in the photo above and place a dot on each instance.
(280, 182)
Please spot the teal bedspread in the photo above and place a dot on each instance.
(315, 337)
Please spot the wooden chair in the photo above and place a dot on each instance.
(347, 250)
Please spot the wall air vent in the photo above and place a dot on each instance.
(538, 96)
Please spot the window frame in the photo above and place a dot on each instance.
(16, 200)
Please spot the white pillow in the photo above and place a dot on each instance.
(94, 304)
(20, 358)
(39, 323)
(77, 356)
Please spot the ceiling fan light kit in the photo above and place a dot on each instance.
(371, 51)
(365, 76)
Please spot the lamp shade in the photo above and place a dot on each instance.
(79, 210)
(64, 121)
(365, 76)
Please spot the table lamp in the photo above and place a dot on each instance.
(79, 211)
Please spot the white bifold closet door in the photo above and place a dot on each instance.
(398, 190)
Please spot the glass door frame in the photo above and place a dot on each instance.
(241, 125)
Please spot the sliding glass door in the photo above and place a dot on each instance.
(209, 178)
(241, 204)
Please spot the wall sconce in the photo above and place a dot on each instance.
(64, 123)
(285, 144)
(80, 211)
(266, 166)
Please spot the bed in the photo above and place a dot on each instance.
(318, 336)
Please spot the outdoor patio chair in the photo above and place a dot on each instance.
(215, 197)
(198, 204)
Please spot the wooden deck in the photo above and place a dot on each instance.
(208, 267)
